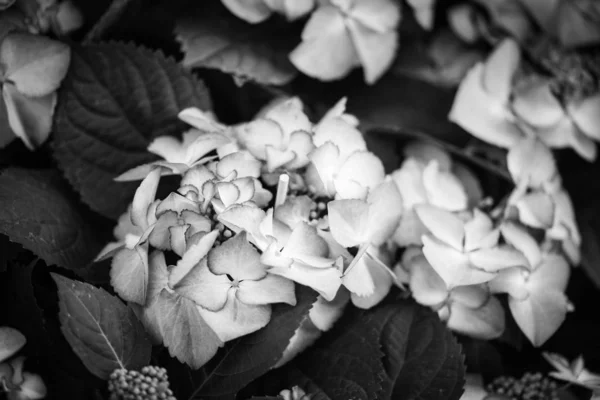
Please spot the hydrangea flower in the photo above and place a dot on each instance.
(573, 372)
(426, 179)
(296, 252)
(536, 289)
(343, 34)
(233, 289)
(341, 166)
(493, 107)
(282, 137)
(231, 180)
(576, 125)
(464, 253)
(470, 310)
(482, 103)
(366, 225)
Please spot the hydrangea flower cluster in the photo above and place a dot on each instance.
(501, 103)
(150, 383)
(461, 253)
(280, 201)
(260, 207)
(339, 35)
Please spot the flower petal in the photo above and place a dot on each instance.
(194, 254)
(259, 134)
(326, 51)
(238, 258)
(325, 313)
(500, 68)
(378, 15)
(452, 266)
(301, 145)
(178, 203)
(443, 189)
(535, 104)
(242, 163)
(268, 290)
(532, 161)
(385, 210)
(326, 281)
(485, 322)
(160, 236)
(11, 341)
(168, 147)
(290, 116)
(382, 280)
(364, 168)
(498, 258)
(342, 134)
(586, 115)
(202, 145)
(349, 221)
(443, 224)
(540, 315)
(304, 241)
(252, 11)
(129, 274)
(483, 114)
(512, 281)
(376, 50)
(158, 275)
(324, 165)
(426, 286)
(205, 288)
(522, 241)
(409, 179)
(536, 209)
(480, 232)
(236, 319)
(202, 120)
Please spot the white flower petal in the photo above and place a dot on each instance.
(443, 224)
(268, 290)
(586, 115)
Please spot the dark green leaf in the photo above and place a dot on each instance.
(216, 39)
(115, 100)
(102, 331)
(397, 350)
(251, 356)
(39, 213)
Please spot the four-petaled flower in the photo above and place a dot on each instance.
(465, 253)
(233, 289)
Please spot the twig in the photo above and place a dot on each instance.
(112, 15)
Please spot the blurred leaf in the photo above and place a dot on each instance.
(102, 331)
(108, 18)
(115, 100)
(39, 213)
(214, 38)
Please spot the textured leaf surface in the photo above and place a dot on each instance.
(251, 356)
(220, 41)
(397, 350)
(39, 213)
(102, 331)
(115, 99)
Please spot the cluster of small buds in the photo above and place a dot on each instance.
(531, 386)
(151, 383)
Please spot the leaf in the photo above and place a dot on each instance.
(115, 100)
(397, 350)
(251, 356)
(39, 213)
(102, 331)
(220, 41)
